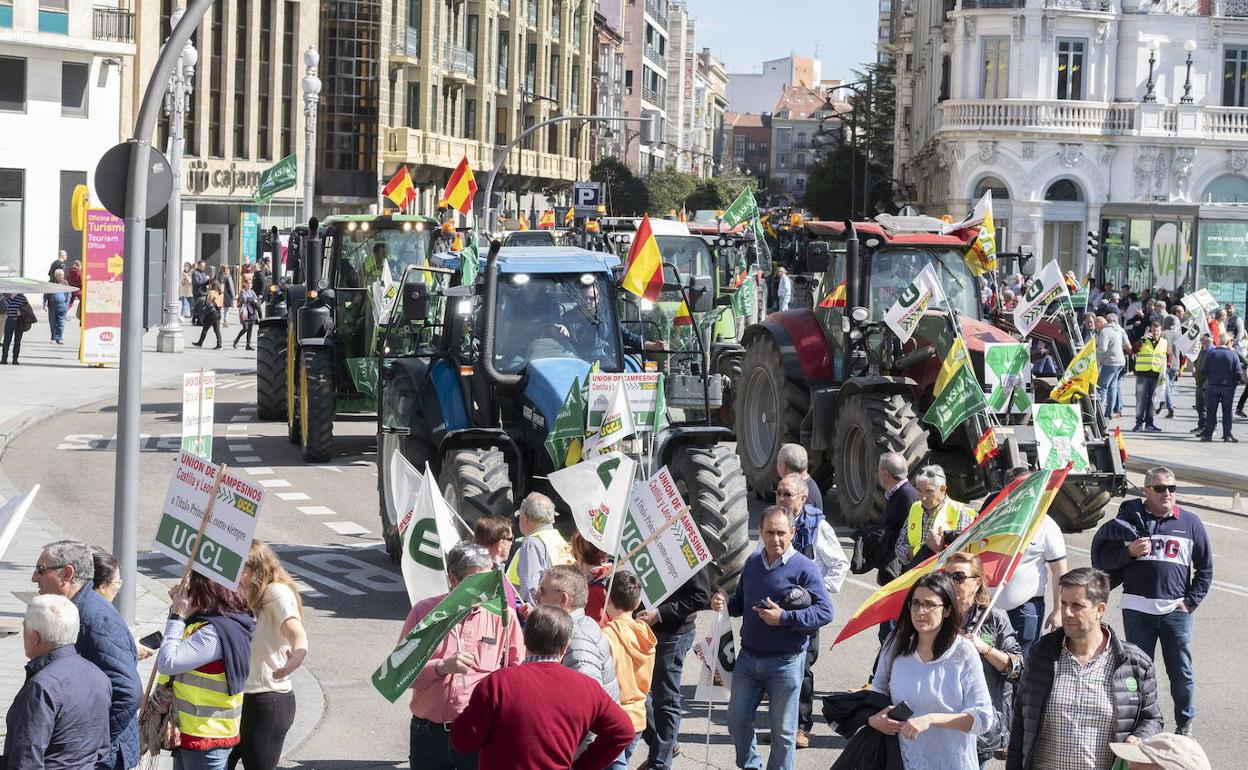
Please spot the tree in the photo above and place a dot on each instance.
(877, 133)
(626, 195)
(717, 192)
(669, 189)
(828, 190)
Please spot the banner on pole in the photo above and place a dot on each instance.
(909, 308)
(597, 492)
(671, 558)
(248, 236)
(198, 399)
(718, 653)
(103, 244)
(228, 535)
(1059, 437)
(282, 175)
(428, 534)
(1007, 377)
(642, 389)
(1048, 287)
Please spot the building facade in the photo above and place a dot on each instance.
(748, 141)
(643, 25)
(1127, 118)
(709, 130)
(63, 71)
(756, 92)
(607, 89)
(795, 121)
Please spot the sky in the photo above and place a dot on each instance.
(745, 33)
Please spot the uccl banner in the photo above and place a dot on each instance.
(103, 244)
(673, 557)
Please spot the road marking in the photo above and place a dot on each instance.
(315, 577)
(316, 510)
(346, 527)
(274, 483)
(240, 418)
(259, 471)
(292, 497)
(333, 468)
(235, 428)
(358, 572)
(250, 408)
(240, 447)
(1221, 526)
(245, 459)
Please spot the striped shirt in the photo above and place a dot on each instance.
(13, 305)
(178, 655)
(1078, 723)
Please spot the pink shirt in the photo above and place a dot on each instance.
(442, 698)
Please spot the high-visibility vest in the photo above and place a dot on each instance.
(557, 552)
(1152, 356)
(950, 510)
(202, 701)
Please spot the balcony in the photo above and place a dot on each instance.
(460, 62)
(655, 57)
(405, 41)
(112, 24)
(652, 96)
(658, 9)
(1040, 116)
(556, 27)
(1100, 6)
(985, 5)
(1231, 8)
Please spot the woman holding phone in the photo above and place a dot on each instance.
(933, 676)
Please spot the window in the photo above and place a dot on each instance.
(782, 161)
(54, 16)
(1070, 68)
(1063, 190)
(74, 77)
(288, 78)
(12, 84)
(800, 162)
(996, 82)
(628, 79)
(413, 105)
(994, 185)
(1235, 77)
(242, 32)
(216, 64)
(12, 186)
(264, 118)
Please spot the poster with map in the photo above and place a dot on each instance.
(103, 239)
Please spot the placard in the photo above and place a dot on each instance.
(674, 556)
(103, 247)
(198, 397)
(642, 389)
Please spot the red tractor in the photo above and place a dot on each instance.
(836, 379)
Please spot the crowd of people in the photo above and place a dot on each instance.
(208, 297)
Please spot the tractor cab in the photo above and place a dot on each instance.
(530, 238)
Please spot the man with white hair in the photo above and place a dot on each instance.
(792, 458)
(934, 520)
(589, 652)
(60, 716)
(540, 548)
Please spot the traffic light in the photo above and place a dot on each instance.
(651, 128)
(1094, 249)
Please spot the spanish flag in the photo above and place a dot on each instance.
(570, 217)
(954, 360)
(982, 256)
(524, 222)
(987, 447)
(1080, 376)
(547, 222)
(400, 188)
(682, 317)
(998, 537)
(836, 297)
(1122, 444)
(644, 274)
(461, 188)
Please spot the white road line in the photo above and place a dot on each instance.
(245, 459)
(292, 497)
(346, 527)
(1208, 523)
(259, 471)
(250, 408)
(274, 483)
(236, 448)
(316, 510)
(240, 418)
(313, 576)
(236, 427)
(333, 468)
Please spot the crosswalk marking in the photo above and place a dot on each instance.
(292, 497)
(246, 459)
(316, 510)
(346, 527)
(259, 471)
(274, 483)
(236, 448)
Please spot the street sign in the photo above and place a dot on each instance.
(198, 398)
(112, 173)
(249, 229)
(586, 198)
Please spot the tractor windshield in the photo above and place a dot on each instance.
(689, 254)
(366, 254)
(892, 270)
(556, 316)
(530, 238)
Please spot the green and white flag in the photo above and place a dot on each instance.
(909, 308)
(428, 534)
(617, 424)
(1196, 326)
(282, 175)
(596, 491)
(1059, 437)
(718, 653)
(742, 209)
(1045, 289)
(397, 672)
(743, 304)
(1007, 373)
(469, 257)
(566, 436)
(961, 398)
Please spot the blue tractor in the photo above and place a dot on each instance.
(473, 376)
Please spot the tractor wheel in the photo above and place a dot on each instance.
(417, 452)
(709, 478)
(870, 424)
(477, 482)
(271, 373)
(293, 377)
(316, 404)
(1078, 507)
(769, 409)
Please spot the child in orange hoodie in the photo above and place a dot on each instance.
(632, 646)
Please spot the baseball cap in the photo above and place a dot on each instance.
(1165, 750)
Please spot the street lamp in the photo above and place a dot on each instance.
(311, 93)
(1153, 45)
(169, 339)
(1189, 46)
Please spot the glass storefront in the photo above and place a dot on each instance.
(1146, 252)
(1222, 260)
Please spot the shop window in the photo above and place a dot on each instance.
(1220, 263)
(12, 200)
(1063, 190)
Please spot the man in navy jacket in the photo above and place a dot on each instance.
(774, 634)
(1162, 557)
(1222, 371)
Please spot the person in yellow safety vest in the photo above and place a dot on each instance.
(540, 548)
(933, 519)
(206, 652)
(1150, 365)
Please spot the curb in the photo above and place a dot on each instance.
(1196, 474)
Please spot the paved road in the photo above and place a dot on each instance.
(323, 519)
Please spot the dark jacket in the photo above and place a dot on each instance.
(104, 639)
(868, 748)
(59, 719)
(1135, 695)
(676, 614)
(998, 632)
(874, 543)
(1221, 368)
(234, 630)
(1179, 567)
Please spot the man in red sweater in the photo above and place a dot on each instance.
(509, 719)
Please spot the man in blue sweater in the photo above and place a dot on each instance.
(1162, 557)
(1222, 371)
(775, 631)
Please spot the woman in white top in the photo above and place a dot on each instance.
(928, 665)
(278, 647)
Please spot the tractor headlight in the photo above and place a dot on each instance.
(859, 314)
(464, 307)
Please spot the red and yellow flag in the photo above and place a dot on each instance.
(1122, 444)
(987, 447)
(835, 298)
(998, 537)
(569, 218)
(461, 188)
(400, 188)
(547, 222)
(682, 317)
(524, 222)
(644, 274)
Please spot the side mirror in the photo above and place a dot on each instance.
(702, 294)
(415, 302)
(294, 258)
(818, 257)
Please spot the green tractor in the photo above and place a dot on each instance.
(473, 377)
(318, 360)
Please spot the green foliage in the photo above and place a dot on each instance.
(828, 187)
(878, 132)
(669, 189)
(626, 195)
(718, 192)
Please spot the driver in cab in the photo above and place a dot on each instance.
(374, 267)
(587, 330)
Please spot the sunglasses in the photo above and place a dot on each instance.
(788, 494)
(1161, 489)
(960, 577)
(40, 569)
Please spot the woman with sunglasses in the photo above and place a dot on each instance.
(928, 665)
(994, 640)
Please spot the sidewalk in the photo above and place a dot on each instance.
(52, 380)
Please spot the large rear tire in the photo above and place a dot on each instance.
(709, 478)
(769, 409)
(1078, 507)
(292, 386)
(477, 482)
(271, 373)
(869, 425)
(316, 404)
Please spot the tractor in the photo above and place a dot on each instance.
(836, 379)
(473, 376)
(317, 361)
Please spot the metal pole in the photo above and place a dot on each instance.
(130, 381)
(170, 338)
(311, 93)
(866, 156)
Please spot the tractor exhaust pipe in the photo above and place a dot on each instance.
(491, 300)
(853, 277)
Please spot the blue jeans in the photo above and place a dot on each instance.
(56, 320)
(1028, 620)
(621, 762)
(212, 759)
(663, 706)
(1109, 382)
(1216, 397)
(1145, 388)
(186, 306)
(1174, 630)
(778, 677)
(430, 749)
(1168, 384)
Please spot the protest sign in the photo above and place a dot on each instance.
(1045, 289)
(676, 551)
(642, 389)
(231, 526)
(597, 492)
(1007, 377)
(428, 532)
(718, 654)
(198, 397)
(1059, 437)
(616, 425)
